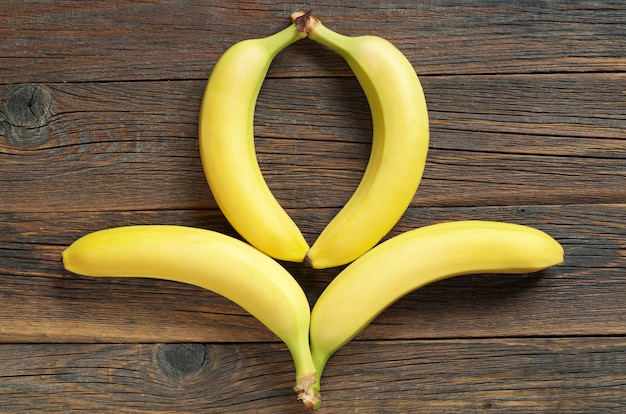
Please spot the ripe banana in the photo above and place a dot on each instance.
(226, 134)
(416, 258)
(399, 145)
(214, 261)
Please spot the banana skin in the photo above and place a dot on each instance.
(227, 151)
(377, 277)
(414, 259)
(399, 145)
(394, 170)
(217, 262)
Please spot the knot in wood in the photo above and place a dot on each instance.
(180, 361)
(25, 112)
(27, 106)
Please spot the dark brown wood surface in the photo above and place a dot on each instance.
(99, 104)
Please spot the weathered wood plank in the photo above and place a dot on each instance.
(528, 375)
(495, 140)
(509, 376)
(44, 303)
(127, 40)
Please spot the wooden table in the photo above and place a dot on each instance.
(98, 128)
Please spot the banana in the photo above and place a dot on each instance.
(220, 263)
(226, 135)
(399, 145)
(416, 258)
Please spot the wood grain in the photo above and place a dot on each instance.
(99, 105)
(56, 306)
(78, 41)
(573, 375)
(494, 140)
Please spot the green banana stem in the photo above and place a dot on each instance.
(279, 40)
(307, 380)
(315, 30)
(320, 358)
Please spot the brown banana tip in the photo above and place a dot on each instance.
(304, 21)
(296, 14)
(307, 392)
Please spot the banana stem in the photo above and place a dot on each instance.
(307, 383)
(315, 30)
(284, 38)
(308, 391)
(320, 358)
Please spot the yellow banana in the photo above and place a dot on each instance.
(416, 258)
(226, 131)
(220, 263)
(399, 145)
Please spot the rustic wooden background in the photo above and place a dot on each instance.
(99, 104)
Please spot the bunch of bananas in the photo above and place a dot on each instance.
(377, 275)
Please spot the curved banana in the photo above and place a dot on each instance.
(211, 260)
(399, 146)
(226, 131)
(416, 258)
